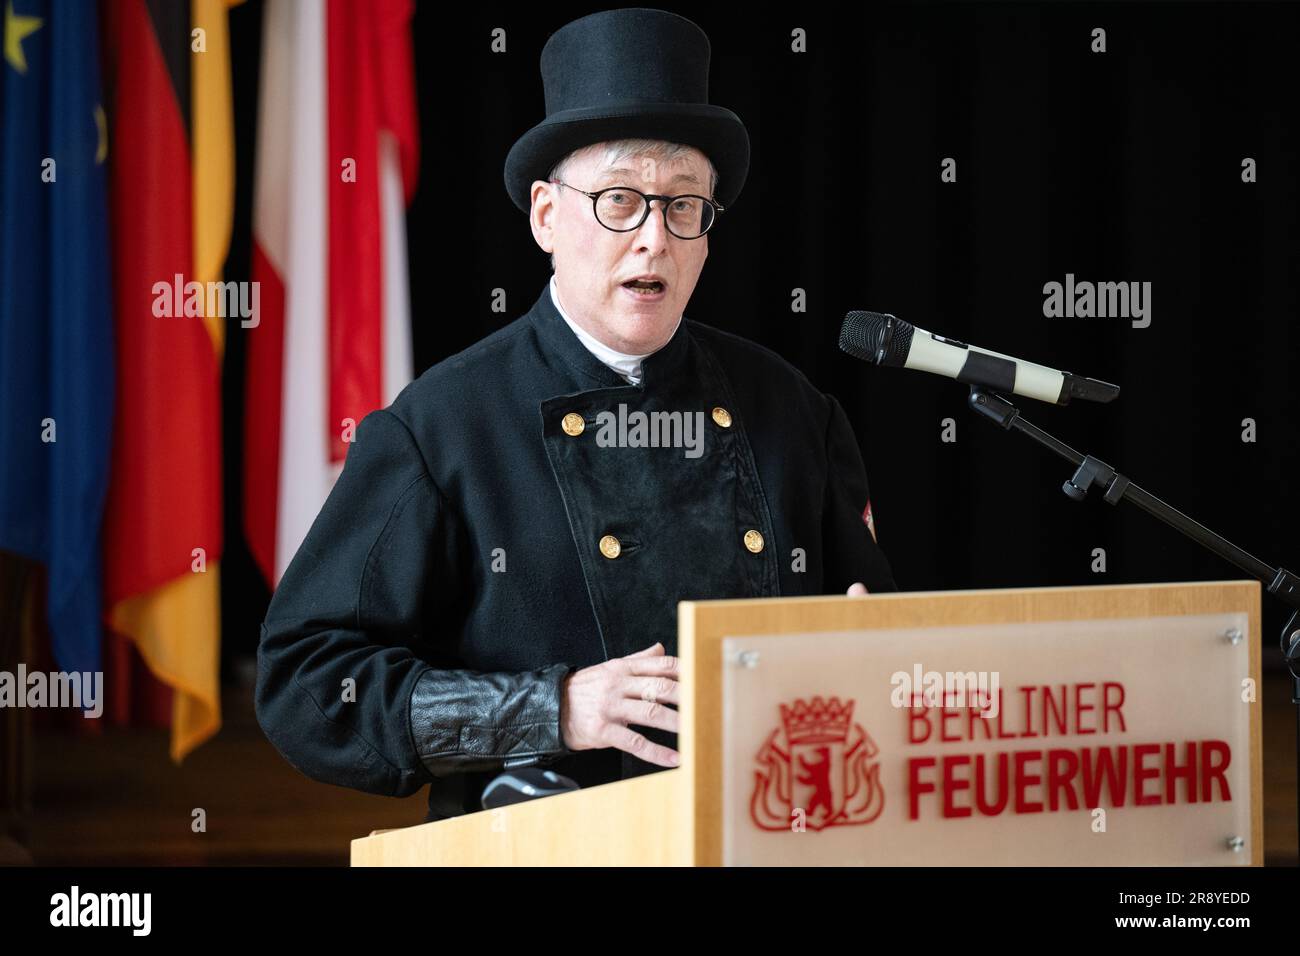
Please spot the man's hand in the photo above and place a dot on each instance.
(599, 702)
(856, 589)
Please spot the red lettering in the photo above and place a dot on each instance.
(1062, 778)
(983, 723)
(1079, 708)
(1105, 766)
(981, 780)
(914, 784)
(951, 785)
(946, 714)
(1052, 711)
(1173, 773)
(1025, 780)
(1211, 771)
(1106, 688)
(1002, 735)
(1142, 774)
(1029, 713)
(913, 720)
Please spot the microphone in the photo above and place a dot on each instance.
(887, 340)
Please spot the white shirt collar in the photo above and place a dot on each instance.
(628, 366)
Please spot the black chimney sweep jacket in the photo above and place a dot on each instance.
(496, 527)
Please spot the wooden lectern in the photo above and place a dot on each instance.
(1127, 732)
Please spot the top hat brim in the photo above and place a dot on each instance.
(714, 130)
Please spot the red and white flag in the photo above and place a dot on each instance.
(337, 156)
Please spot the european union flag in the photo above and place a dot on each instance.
(56, 331)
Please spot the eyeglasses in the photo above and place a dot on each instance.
(624, 209)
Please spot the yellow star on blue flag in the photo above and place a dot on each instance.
(18, 28)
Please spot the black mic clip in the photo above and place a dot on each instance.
(1094, 471)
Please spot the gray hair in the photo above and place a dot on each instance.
(620, 149)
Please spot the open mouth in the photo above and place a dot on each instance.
(644, 287)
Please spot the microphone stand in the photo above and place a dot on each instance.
(1094, 473)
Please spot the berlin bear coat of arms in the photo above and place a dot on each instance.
(819, 762)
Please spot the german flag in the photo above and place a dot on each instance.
(171, 197)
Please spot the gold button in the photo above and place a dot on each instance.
(610, 547)
(573, 424)
(753, 541)
(722, 417)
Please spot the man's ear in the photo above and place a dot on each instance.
(541, 215)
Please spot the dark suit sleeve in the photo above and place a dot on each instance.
(851, 552)
(340, 691)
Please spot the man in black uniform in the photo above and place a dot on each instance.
(494, 579)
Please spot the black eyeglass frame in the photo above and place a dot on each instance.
(649, 198)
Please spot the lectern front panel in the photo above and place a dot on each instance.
(1122, 741)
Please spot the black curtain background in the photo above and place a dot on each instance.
(1115, 166)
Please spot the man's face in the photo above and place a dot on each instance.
(593, 264)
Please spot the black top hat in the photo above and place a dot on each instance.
(628, 73)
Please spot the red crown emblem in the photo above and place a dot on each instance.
(824, 773)
(819, 722)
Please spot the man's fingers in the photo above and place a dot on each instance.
(643, 713)
(857, 589)
(662, 689)
(653, 649)
(665, 665)
(631, 742)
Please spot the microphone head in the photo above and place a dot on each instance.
(876, 337)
